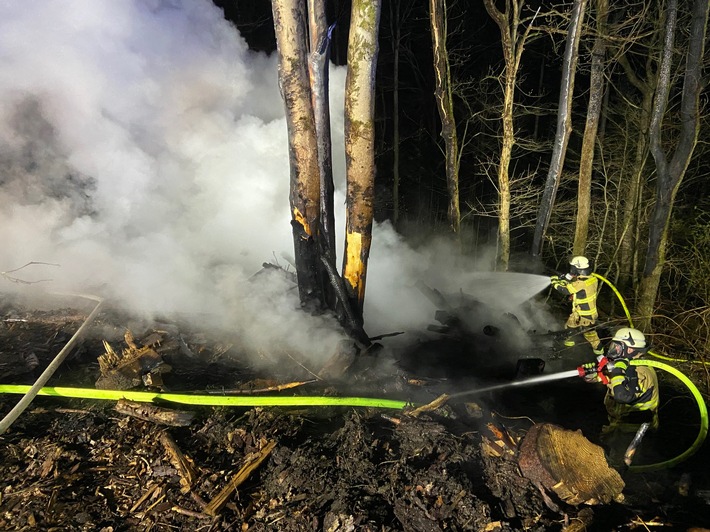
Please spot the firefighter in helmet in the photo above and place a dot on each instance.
(581, 287)
(632, 391)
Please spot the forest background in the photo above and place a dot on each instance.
(632, 69)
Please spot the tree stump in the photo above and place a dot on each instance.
(568, 464)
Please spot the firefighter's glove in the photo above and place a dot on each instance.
(589, 372)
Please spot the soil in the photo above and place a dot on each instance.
(71, 464)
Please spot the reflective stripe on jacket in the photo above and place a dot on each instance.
(636, 386)
(584, 295)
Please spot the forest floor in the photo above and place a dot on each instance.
(73, 464)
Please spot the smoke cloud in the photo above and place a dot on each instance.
(143, 149)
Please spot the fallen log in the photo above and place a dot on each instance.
(568, 464)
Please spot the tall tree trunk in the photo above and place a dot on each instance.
(318, 71)
(359, 145)
(290, 24)
(319, 34)
(396, 32)
(513, 44)
(445, 104)
(564, 127)
(586, 164)
(671, 173)
(628, 250)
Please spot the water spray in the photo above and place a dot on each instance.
(525, 382)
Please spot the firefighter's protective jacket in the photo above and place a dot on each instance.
(635, 386)
(583, 290)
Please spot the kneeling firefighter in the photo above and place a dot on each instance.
(581, 286)
(632, 391)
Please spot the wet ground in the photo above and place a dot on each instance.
(70, 464)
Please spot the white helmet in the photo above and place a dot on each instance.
(580, 262)
(630, 337)
(579, 265)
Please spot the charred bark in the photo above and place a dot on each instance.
(360, 146)
(320, 39)
(290, 24)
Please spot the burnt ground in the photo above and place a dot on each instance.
(70, 464)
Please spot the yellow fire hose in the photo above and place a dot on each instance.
(207, 400)
(702, 408)
(631, 324)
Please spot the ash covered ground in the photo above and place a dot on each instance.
(69, 464)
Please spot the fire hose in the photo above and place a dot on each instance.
(702, 409)
(207, 400)
(631, 324)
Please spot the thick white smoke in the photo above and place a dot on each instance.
(143, 149)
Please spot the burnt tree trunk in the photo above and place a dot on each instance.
(360, 146)
(290, 24)
(318, 69)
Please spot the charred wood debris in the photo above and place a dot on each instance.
(81, 465)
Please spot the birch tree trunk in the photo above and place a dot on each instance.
(304, 197)
(564, 126)
(318, 72)
(359, 145)
(445, 105)
(670, 173)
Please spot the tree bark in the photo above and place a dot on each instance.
(359, 145)
(396, 31)
(671, 173)
(304, 197)
(586, 164)
(318, 71)
(445, 105)
(564, 127)
(628, 251)
(513, 44)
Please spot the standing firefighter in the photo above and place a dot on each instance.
(581, 286)
(632, 391)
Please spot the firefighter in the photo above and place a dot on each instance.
(581, 287)
(632, 391)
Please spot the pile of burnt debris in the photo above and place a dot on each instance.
(433, 464)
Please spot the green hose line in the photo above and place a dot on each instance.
(618, 295)
(207, 400)
(631, 324)
(702, 408)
